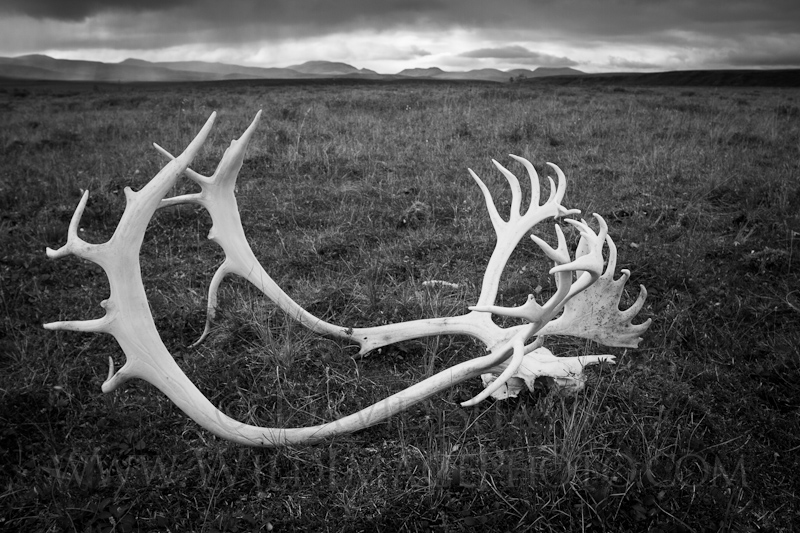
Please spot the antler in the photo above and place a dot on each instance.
(129, 320)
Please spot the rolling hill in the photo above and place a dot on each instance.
(42, 67)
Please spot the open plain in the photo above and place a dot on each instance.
(353, 194)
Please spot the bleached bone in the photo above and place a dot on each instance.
(567, 372)
(512, 352)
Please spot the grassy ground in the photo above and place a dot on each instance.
(698, 430)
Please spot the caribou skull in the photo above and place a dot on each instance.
(586, 303)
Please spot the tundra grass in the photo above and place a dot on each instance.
(353, 195)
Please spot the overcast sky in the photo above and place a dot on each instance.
(388, 36)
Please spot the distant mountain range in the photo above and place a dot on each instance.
(41, 67)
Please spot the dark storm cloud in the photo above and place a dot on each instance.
(520, 54)
(587, 18)
(155, 24)
(312, 13)
(81, 9)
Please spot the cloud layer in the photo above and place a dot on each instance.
(636, 34)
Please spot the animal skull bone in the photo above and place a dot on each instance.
(586, 303)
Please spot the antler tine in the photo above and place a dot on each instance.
(494, 216)
(74, 245)
(193, 198)
(630, 313)
(588, 263)
(557, 191)
(560, 254)
(516, 191)
(211, 304)
(97, 325)
(534, 179)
